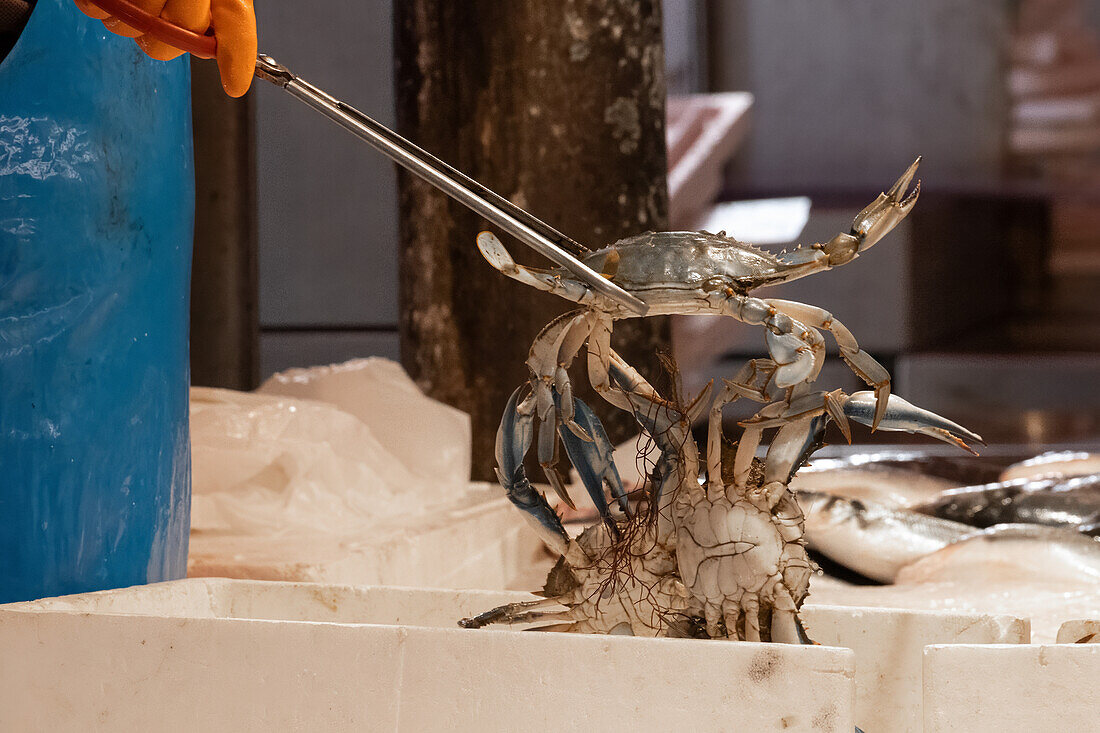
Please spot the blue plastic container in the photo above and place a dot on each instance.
(96, 217)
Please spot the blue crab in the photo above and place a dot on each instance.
(722, 557)
(701, 273)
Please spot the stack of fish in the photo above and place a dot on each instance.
(1024, 543)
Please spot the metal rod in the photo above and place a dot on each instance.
(536, 234)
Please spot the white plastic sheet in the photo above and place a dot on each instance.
(370, 448)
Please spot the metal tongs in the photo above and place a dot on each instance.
(533, 232)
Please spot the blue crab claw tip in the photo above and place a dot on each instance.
(578, 431)
(902, 183)
(593, 458)
(901, 415)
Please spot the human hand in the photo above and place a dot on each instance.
(233, 21)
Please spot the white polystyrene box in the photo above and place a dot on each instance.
(1025, 688)
(889, 646)
(222, 655)
(1082, 631)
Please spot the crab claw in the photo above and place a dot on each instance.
(514, 438)
(795, 357)
(903, 416)
(595, 464)
(885, 212)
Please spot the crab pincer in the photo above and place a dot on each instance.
(594, 463)
(514, 438)
(886, 211)
(903, 416)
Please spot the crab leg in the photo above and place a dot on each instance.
(868, 227)
(551, 281)
(798, 436)
(789, 449)
(862, 363)
(515, 613)
(630, 382)
(678, 466)
(750, 611)
(548, 455)
(796, 349)
(801, 424)
(599, 365)
(800, 427)
(746, 451)
(551, 354)
(799, 354)
(785, 626)
(592, 457)
(900, 415)
(513, 441)
(744, 384)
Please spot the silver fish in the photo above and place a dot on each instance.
(873, 539)
(1054, 502)
(1012, 553)
(885, 484)
(1044, 574)
(1054, 463)
(960, 470)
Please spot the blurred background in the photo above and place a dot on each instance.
(784, 119)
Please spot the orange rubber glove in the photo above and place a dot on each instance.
(233, 21)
